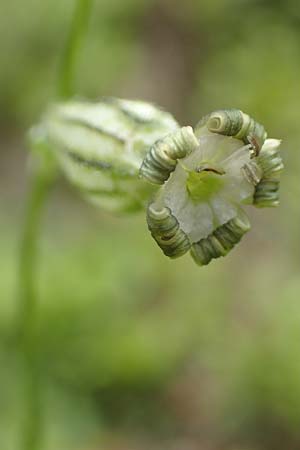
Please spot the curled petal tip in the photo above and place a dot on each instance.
(161, 159)
(165, 229)
(221, 241)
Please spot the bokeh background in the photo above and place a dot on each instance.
(138, 352)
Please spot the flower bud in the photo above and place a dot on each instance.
(100, 147)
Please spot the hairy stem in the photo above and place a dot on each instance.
(73, 45)
(32, 420)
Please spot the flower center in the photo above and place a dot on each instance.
(204, 181)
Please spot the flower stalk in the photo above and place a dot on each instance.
(42, 175)
(72, 48)
(31, 433)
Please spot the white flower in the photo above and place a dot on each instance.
(117, 151)
(199, 207)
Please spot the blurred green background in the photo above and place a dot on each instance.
(139, 352)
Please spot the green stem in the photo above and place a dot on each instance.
(32, 420)
(72, 48)
(31, 434)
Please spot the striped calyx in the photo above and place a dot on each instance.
(199, 204)
(100, 147)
